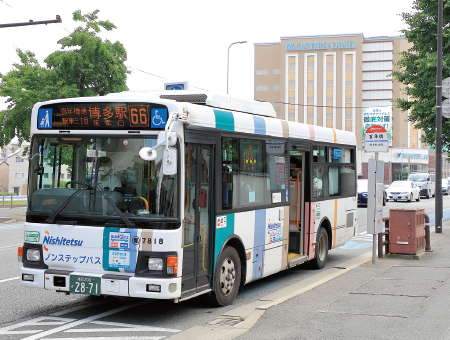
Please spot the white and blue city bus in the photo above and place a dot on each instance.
(174, 194)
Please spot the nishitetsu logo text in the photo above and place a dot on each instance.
(61, 241)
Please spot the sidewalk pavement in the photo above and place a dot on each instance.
(392, 299)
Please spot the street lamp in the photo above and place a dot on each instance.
(228, 59)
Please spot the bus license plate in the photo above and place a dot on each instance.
(85, 285)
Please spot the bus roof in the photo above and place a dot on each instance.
(220, 101)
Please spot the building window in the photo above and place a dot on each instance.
(69, 177)
(20, 175)
(276, 71)
(262, 72)
(262, 87)
(310, 89)
(348, 92)
(329, 90)
(292, 75)
(62, 176)
(19, 160)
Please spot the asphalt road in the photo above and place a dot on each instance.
(39, 314)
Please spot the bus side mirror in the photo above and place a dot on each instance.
(169, 161)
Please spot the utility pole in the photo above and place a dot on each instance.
(31, 22)
(438, 200)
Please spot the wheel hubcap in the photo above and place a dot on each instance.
(227, 276)
(322, 247)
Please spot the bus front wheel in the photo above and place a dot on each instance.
(321, 251)
(227, 277)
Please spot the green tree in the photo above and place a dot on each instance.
(90, 66)
(24, 86)
(86, 65)
(417, 67)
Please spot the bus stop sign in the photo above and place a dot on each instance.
(376, 139)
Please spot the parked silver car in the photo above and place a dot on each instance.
(425, 182)
(403, 190)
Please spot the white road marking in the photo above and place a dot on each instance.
(109, 338)
(65, 325)
(34, 322)
(74, 309)
(129, 325)
(127, 329)
(11, 226)
(362, 237)
(10, 279)
(83, 321)
(8, 247)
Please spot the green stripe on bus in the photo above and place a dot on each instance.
(224, 120)
(222, 234)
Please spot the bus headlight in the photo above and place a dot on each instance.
(155, 263)
(33, 255)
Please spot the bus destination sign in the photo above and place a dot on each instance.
(102, 116)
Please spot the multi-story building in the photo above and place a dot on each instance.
(342, 82)
(14, 168)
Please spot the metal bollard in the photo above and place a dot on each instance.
(427, 234)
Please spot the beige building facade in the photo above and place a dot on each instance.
(341, 82)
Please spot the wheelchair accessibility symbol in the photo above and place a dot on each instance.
(159, 118)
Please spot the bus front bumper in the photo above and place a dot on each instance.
(115, 285)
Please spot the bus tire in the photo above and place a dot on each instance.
(321, 252)
(227, 278)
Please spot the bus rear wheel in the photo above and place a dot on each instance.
(227, 277)
(321, 251)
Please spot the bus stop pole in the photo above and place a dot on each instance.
(374, 240)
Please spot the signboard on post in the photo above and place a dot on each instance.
(376, 139)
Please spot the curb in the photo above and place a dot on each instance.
(240, 320)
(12, 221)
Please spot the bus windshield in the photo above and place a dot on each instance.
(95, 167)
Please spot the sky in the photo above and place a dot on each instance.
(189, 40)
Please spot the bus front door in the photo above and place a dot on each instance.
(196, 240)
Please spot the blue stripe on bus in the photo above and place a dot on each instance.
(224, 120)
(260, 228)
(260, 125)
(222, 234)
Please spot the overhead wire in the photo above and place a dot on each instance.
(335, 107)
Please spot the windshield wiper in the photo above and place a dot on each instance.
(87, 186)
(52, 217)
(116, 208)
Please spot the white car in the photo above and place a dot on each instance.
(403, 190)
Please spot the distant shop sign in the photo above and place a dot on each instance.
(321, 45)
(377, 115)
(411, 155)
